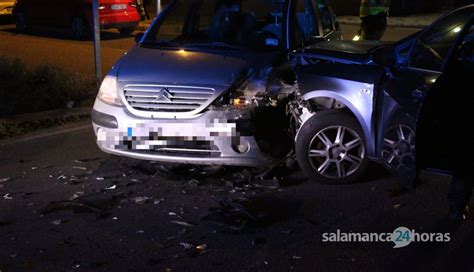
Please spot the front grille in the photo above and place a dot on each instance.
(158, 98)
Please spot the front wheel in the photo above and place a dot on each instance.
(126, 30)
(331, 148)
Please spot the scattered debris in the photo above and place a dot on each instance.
(141, 199)
(86, 160)
(4, 179)
(182, 223)
(193, 183)
(58, 222)
(186, 245)
(76, 195)
(7, 196)
(112, 187)
(158, 201)
(200, 249)
(261, 211)
(396, 206)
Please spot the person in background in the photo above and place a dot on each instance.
(141, 9)
(373, 16)
(146, 3)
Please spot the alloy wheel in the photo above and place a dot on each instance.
(336, 152)
(398, 151)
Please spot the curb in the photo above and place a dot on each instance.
(49, 115)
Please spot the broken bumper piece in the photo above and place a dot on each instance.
(213, 137)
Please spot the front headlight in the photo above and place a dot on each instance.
(240, 101)
(108, 92)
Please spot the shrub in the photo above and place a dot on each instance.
(43, 88)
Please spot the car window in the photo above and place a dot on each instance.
(433, 46)
(307, 22)
(325, 16)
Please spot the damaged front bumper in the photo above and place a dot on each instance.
(214, 137)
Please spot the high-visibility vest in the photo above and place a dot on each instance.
(373, 7)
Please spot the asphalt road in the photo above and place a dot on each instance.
(56, 47)
(65, 206)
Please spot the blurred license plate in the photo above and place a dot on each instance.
(118, 7)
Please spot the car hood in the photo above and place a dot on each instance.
(157, 66)
(342, 51)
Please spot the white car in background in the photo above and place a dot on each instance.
(6, 7)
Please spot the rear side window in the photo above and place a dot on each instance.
(306, 21)
(325, 16)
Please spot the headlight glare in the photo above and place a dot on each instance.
(108, 92)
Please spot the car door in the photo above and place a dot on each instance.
(403, 92)
(445, 136)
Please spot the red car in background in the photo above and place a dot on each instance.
(76, 15)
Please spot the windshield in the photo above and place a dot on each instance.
(220, 23)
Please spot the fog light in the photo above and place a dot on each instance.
(242, 147)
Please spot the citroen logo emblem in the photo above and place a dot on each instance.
(163, 94)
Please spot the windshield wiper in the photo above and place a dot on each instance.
(161, 43)
(214, 44)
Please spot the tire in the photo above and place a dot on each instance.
(21, 22)
(398, 149)
(80, 28)
(334, 163)
(126, 30)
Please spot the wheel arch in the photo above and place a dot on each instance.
(364, 121)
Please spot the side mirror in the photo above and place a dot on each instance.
(139, 37)
(385, 56)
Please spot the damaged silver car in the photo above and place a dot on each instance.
(210, 82)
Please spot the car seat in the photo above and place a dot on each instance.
(276, 27)
(307, 24)
(231, 25)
